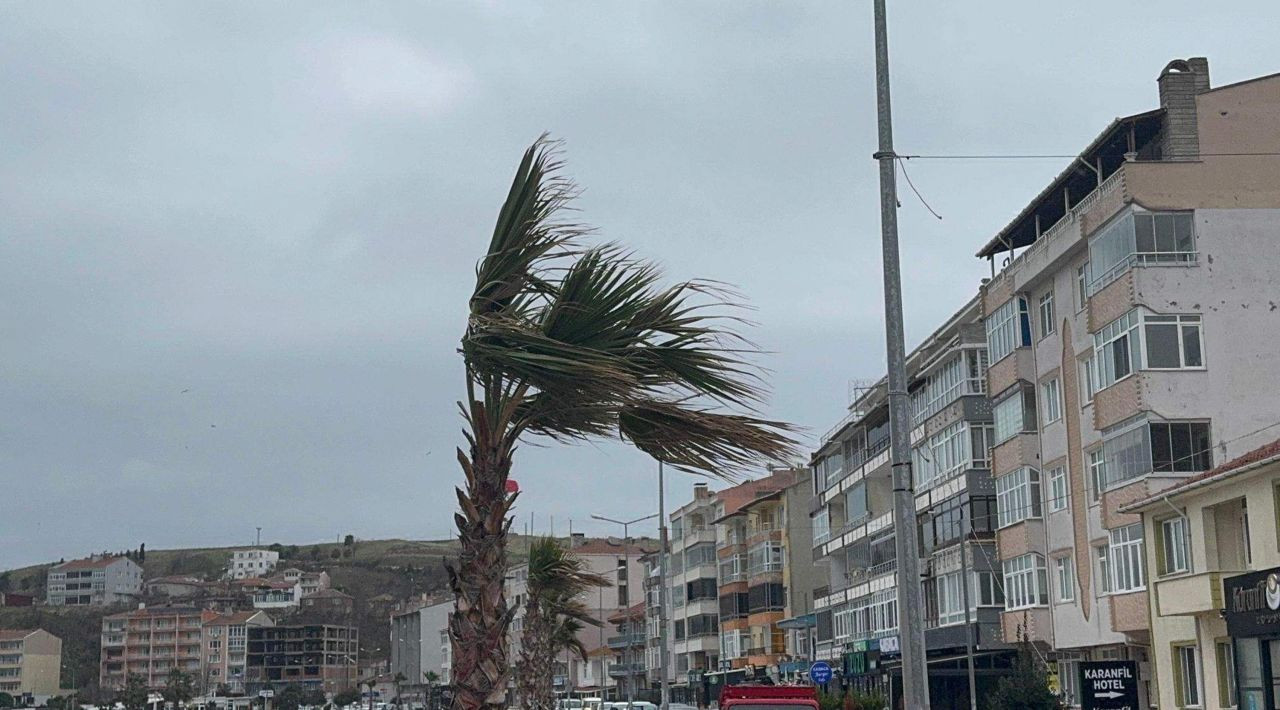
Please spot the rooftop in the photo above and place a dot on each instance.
(239, 617)
(1262, 455)
(96, 562)
(15, 634)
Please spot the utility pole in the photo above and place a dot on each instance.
(626, 566)
(258, 539)
(662, 591)
(915, 675)
(968, 624)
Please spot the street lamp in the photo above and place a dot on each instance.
(626, 556)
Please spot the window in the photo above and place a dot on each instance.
(1051, 401)
(1173, 342)
(1187, 671)
(1014, 414)
(1104, 569)
(1097, 473)
(989, 590)
(1116, 349)
(1069, 677)
(1140, 238)
(1024, 582)
(1125, 555)
(764, 557)
(1226, 658)
(1088, 380)
(963, 374)
(1008, 327)
(821, 528)
(1168, 447)
(957, 448)
(1018, 496)
(1045, 311)
(1058, 488)
(950, 596)
(1066, 577)
(1082, 286)
(1173, 546)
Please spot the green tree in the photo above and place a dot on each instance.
(571, 342)
(179, 687)
(553, 616)
(349, 540)
(346, 697)
(314, 697)
(7, 701)
(134, 695)
(288, 698)
(1027, 688)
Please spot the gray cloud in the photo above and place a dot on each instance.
(236, 238)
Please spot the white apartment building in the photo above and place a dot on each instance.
(420, 645)
(1131, 337)
(94, 581)
(252, 563)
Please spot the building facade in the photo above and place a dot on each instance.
(252, 563)
(420, 646)
(1126, 339)
(151, 642)
(627, 644)
(853, 530)
(94, 581)
(30, 664)
(313, 656)
(226, 646)
(694, 634)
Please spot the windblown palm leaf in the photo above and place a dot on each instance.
(574, 342)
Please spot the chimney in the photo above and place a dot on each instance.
(1180, 82)
(700, 491)
(576, 539)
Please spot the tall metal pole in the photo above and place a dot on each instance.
(968, 624)
(629, 656)
(662, 591)
(915, 680)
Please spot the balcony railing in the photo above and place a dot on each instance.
(617, 670)
(627, 640)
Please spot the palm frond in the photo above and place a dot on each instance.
(701, 441)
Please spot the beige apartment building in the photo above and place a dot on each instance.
(30, 663)
(225, 638)
(151, 642)
(1215, 584)
(1133, 334)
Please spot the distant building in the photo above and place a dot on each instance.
(226, 648)
(94, 581)
(420, 645)
(151, 642)
(627, 666)
(11, 599)
(277, 595)
(252, 563)
(330, 602)
(311, 582)
(30, 663)
(174, 586)
(314, 656)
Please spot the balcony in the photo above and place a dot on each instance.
(1191, 594)
(621, 670)
(627, 640)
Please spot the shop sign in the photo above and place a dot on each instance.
(1252, 603)
(1108, 685)
(889, 644)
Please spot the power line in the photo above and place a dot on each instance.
(1063, 156)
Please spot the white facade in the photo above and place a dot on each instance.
(252, 563)
(420, 643)
(96, 581)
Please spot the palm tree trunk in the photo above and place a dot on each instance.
(526, 666)
(479, 623)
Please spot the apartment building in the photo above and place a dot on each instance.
(1213, 590)
(99, 580)
(627, 642)
(151, 642)
(225, 639)
(694, 635)
(30, 664)
(314, 656)
(1127, 335)
(853, 531)
(252, 563)
(420, 645)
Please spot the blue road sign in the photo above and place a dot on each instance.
(820, 672)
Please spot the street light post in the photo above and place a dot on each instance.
(662, 592)
(626, 565)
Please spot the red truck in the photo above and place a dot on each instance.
(768, 697)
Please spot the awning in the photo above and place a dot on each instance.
(804, 621)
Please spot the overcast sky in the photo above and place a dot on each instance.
(236, 239)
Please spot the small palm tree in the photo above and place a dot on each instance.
(554, 615)
(572, 342)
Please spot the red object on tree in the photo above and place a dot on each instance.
(512, 486)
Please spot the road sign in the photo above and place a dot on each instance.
(820, 672)
(266, 693)
(1108, 685)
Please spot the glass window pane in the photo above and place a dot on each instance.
(1180, 443)
(1200, 445)
(1183, 232)
(1162, 346)
(1120, 358)
(1191, 346)
(1143, 231)
(1161, 450)
(1165, 241)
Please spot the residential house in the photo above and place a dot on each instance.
(30, 664)
(252, 563)
(330, 602)
(12, 599)
(151, 642)
(175, 586)
(1126, 333)
(225, 639)
(99, 580)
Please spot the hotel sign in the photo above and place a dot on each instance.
(1108, 685)
(1253, 603)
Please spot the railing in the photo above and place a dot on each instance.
(627, 640)
(852, 416)
(624, 669)
(882, 568)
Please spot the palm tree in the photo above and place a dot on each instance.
(571, 343)
(553, 616)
